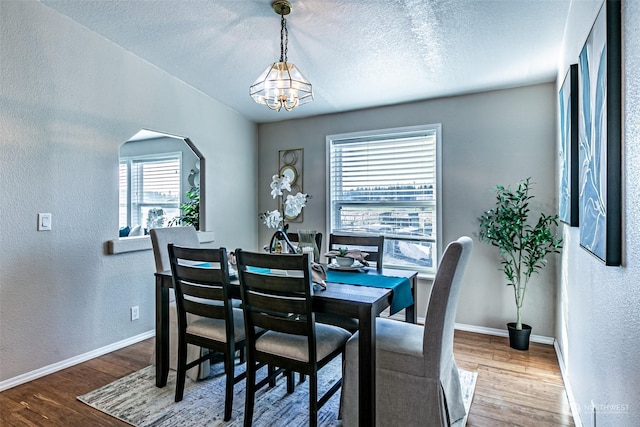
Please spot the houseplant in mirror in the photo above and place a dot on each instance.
(523, 244)
(190, 211)
(288, 207)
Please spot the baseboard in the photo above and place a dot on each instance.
(501, 333)
(575, 412)
(41, 372)
(480, 329)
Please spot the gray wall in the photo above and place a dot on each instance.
(69, 99)
(599, 307)
(490, 138)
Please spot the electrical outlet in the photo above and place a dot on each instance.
(135, 312)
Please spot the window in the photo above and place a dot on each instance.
(149, 190)
(387, 182)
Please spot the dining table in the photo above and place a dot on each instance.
(343, 299)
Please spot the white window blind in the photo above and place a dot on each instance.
(123, 186)
(154, 183)
(386, 183)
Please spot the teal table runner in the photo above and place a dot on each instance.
(401, 286)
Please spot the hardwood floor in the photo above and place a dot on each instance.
(514, 388)
(51, 400)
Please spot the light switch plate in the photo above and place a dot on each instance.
(44, 222)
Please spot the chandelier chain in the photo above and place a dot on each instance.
(284, 38)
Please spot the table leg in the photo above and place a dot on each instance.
(162, 333)
(410, 312)
(367, 367)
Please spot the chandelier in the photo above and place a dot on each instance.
(282, 85)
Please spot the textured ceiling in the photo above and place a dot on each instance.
(357, 54)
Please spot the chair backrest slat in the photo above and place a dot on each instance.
(204, 310)
(275, 283)
(208, 291)
(200, 274)
(276, 263)
(288, 325)
(276, 303)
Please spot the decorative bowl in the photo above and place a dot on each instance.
(344, 261)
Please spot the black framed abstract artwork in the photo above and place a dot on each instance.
(568, 108)
(600, 127)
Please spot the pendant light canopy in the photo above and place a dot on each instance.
(282, 84)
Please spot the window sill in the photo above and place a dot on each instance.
(422, 274)
(426, 276)
(143, 243)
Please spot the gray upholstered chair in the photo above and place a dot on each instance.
(160, 239)
(294, 238)
(202, 288)
(417, 380)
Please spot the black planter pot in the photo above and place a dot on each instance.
(519, 339)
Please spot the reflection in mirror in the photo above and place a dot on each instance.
(159, 174)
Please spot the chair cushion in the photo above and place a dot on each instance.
(215, 328)
(328, 339)
(398, 346)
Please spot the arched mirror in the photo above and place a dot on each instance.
(159, 183)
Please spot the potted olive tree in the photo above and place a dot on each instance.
(523, 244)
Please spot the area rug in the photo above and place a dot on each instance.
(136, 400)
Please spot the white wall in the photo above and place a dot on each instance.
(599, 307)
(490, 138)
(69, 99)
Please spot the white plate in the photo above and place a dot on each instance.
(356, 266)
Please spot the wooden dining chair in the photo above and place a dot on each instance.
(160, 239)
(277, 294)
(202, 287)
(417, 380)
(373, 245)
